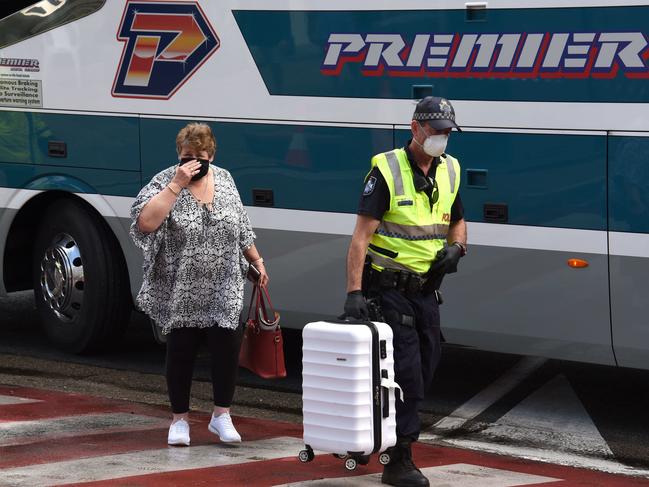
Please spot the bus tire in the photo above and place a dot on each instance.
(80, 281)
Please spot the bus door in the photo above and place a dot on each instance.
(533, 200)
(628, 179)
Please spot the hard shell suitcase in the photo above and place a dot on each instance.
(348, 390)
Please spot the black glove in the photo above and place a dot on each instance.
(447, 260)
(355, 306)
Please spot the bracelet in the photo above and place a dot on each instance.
(171, 189)
(260, 260)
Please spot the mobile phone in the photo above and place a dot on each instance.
(253, 273)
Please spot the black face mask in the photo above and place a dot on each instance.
(205, 165)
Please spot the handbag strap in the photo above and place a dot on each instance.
(266, 314)
(254, 305)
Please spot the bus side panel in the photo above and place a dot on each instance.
(318, 170)
(514, 291)
(629, 248)
(98, 142)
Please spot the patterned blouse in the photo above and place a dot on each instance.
(194, 268)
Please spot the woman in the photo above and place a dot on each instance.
(197, 243)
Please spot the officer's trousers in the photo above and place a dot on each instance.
(417, 351)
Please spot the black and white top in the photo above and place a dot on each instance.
(194, 268)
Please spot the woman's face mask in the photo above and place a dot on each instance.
(205, 164)
(434, 145)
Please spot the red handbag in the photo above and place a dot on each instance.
(262, 347)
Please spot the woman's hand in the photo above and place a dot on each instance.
(263, 275)
(185, 173)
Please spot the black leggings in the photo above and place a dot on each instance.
(182, 346)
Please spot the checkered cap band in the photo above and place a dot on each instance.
(434, 116)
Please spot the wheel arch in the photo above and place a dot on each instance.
(23, 224)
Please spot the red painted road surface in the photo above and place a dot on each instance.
(53, 438)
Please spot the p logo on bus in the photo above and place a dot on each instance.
(165, 43)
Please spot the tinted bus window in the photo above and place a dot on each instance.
(28, 19)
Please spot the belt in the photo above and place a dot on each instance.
(403, 281)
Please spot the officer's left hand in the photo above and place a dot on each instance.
(447, 263)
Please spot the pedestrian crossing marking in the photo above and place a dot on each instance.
(454, 475)
(146, 462)
(21, 432)
(99, 442)
(10, 400)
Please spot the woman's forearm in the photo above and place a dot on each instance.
(156, 210)
(252, 254)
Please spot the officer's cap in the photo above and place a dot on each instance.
(436, 112)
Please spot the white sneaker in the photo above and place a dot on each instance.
(222, 426)
(178, 433)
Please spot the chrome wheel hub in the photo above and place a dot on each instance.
(62, 279)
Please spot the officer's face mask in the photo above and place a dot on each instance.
(205, 165)
(434, 145)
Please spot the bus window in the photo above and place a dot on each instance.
(27, 19)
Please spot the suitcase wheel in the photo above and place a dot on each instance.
(339, 456)
(363, 459)
(306, 456)
(384, 458)
(350, 464)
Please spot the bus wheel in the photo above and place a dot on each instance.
(80, 281)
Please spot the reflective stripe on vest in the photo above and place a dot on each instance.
(395, 170)
(410, 229)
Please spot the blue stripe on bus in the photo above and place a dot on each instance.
(307, 167)
(72, 179)
(546, 180)
(294, 68)
(97, 142)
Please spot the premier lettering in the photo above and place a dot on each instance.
(19, 63)
(533, 54)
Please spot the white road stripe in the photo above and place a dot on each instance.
(549, 456)
(488, 396)
(456, 475)
(553, 417)
(22, 432)
(149, 462)
(8, 400)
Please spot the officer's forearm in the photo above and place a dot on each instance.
(365, 227)
(355, 262)
(457, 232)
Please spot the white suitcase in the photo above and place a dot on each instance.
(348, 390)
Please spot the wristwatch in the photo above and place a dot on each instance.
(462, 247)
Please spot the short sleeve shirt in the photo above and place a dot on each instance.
(375, 199)
(194, 268)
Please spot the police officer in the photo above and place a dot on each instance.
(410, 231)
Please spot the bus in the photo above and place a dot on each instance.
(552, 97)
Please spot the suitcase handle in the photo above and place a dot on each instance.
(343, 319)
(386, 386)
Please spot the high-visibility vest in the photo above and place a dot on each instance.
(411, 233)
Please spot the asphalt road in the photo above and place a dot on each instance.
(556, 411)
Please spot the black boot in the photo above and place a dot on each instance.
(401, 471)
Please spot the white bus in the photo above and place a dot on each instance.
(552, 97)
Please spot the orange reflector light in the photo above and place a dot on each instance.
(577, 263)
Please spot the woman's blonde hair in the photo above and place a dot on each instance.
(198, 136)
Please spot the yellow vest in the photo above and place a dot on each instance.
(410, 233)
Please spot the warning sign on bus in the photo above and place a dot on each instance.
(25, 93)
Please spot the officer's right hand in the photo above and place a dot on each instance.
(355, 306)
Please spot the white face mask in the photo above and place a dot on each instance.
(435, 145)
